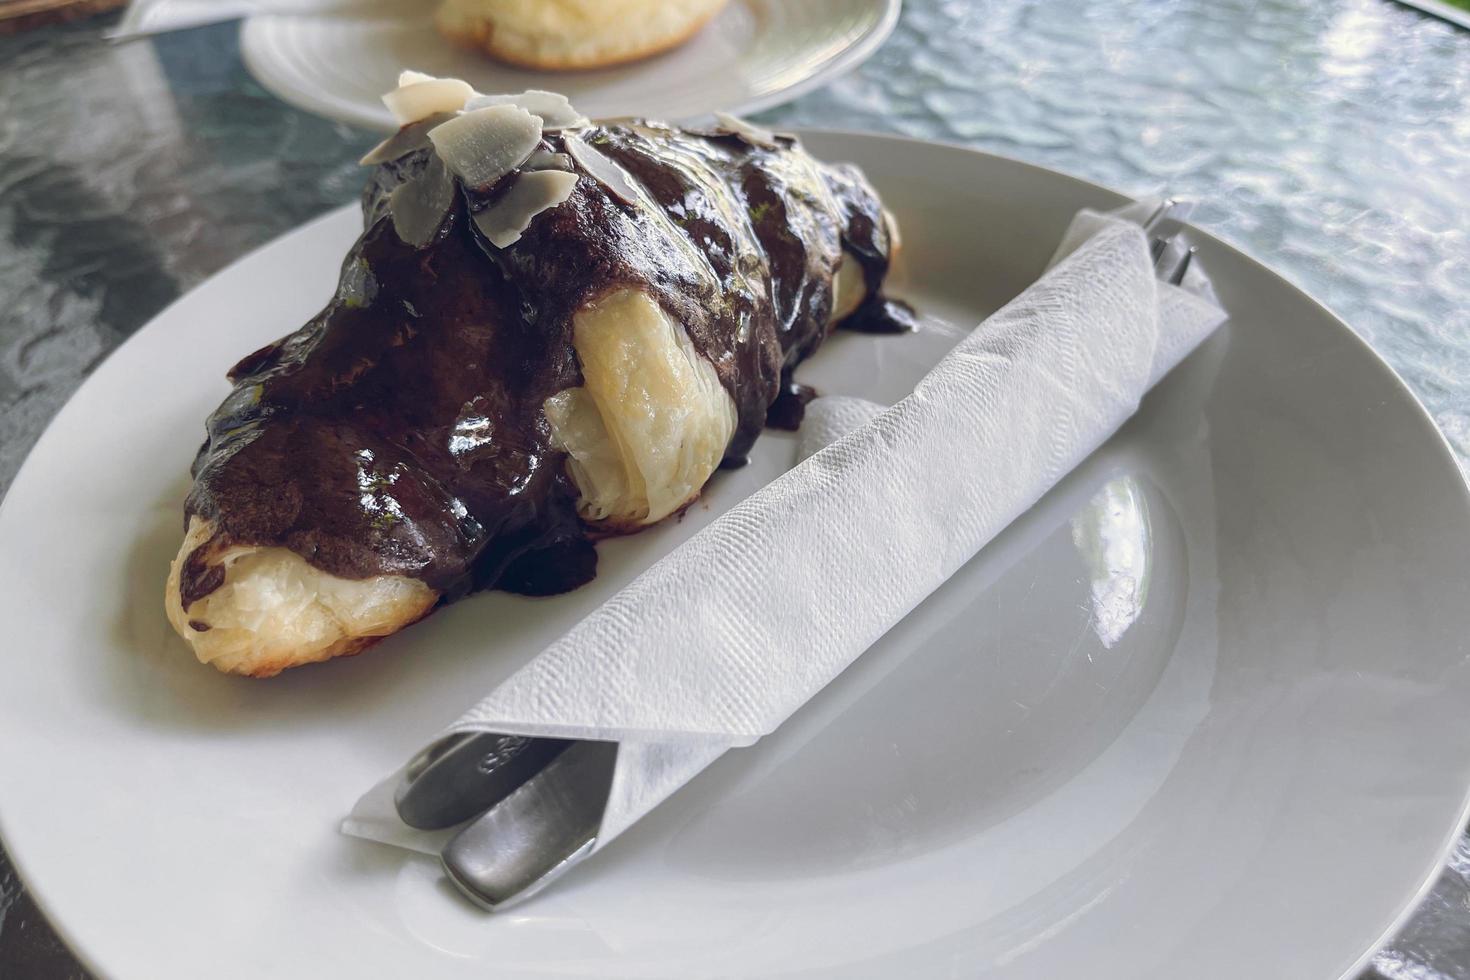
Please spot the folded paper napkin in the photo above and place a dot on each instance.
(720, 641)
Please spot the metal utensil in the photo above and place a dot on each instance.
(1173, 260)
(463, 775)
(1171, 252)
(1169, 209)
(524, 842)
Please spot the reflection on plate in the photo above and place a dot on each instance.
(1198, 713)
(755, 54)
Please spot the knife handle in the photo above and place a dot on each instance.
(465, 774)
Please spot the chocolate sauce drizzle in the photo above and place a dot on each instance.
(789, 408)
(401, 430)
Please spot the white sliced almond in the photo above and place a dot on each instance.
(414, 136)
(750, 132)
(484, 145)
(546, 160)
(601, 168)
(408, 77)
(418, 206)
(426, 95)
(533, 192)
(553, 108)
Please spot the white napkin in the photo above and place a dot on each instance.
(716, 644)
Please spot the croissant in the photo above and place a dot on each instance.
(550, 331)
(572, 34)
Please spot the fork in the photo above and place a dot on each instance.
(1171, 252)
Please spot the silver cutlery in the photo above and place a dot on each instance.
(1171, 252)
(464, 775)
(524, 842)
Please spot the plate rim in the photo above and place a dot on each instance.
(1446, 457)
(253, 52)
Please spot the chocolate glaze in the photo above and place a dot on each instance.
(789, 408)
(879, 314)
(401, 430)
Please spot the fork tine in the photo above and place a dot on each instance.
(1173, 259)
(1178, 276)
(1159, 214)
(1172, 208)
(1170, 253)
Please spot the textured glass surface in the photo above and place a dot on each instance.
(1330, 139)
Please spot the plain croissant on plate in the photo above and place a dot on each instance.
(572, 34)
(549, 331)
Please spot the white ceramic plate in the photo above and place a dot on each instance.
(753, 55)
(1200, 713)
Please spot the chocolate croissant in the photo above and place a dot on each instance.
(550, 331)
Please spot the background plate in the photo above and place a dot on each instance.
(1199, 713)
(755, 54)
